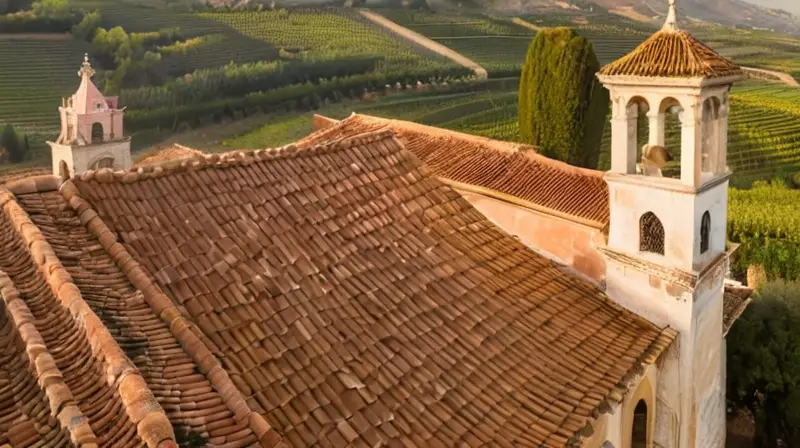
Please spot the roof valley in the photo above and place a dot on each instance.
(170, 373)
(180, 327)
(58, 308)
(16, 329)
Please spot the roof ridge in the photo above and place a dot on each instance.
(225, 160)
(33, 184)
(181, 328)
(140, 404)
(60, 399)
(491, 144)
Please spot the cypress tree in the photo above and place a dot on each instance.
(562, 106)
(10, 141)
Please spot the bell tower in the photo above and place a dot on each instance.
(91, 129)
(666, 253)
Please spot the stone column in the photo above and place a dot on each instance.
(722, 137)
(623, 137)
(691, 145)
(657, 122)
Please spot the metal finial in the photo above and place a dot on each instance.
(86, 67)
(672, 18)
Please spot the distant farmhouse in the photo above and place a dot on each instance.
(378, 283)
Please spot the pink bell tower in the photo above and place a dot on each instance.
(91, 129)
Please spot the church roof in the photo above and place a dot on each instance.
(508, 168)
(340, 291)
(672, 53)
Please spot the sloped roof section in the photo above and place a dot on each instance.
(504, 167)
(355, 298)
(672, 53)
(735, 301)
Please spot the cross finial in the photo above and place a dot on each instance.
(86, 67)
(672, 19)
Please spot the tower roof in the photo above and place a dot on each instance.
(672, 53)
(87, 94)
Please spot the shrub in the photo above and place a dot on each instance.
(795, 180)
(562, 106)
(87, 27)
(764, 363)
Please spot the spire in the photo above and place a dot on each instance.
(672, 21)
(86, 68)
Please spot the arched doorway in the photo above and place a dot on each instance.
(639, 431)
(97, 133)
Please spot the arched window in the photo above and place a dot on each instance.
(97, 133)
(705, 230)
(651, 234)
(104, 162)
(639, 436)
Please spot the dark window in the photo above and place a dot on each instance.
(651, 234)
(639, 436)
(97, 133)
(705, 230)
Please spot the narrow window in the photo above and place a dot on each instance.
(639, 436)
(651, 234)
(705, 230)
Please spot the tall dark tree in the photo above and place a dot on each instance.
(562, 105)
(10, 141)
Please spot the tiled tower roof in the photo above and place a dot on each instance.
(672, 53)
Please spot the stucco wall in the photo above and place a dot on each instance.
(79, 158)
(709, 379)
(568, 242)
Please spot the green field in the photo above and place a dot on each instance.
(35, 75)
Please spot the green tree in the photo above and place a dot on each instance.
(764, 363)
(87, 27)
(50, 8)
(562, 106)
(9, 140)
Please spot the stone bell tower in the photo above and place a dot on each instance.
(91, 129)
(666, 253)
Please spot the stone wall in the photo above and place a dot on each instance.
(565, 241)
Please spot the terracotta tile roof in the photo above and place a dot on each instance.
(672, 54)
(172, 152)
(504, 167)
(354, 298)
(735, 301)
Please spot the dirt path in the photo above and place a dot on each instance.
(35, 36)
(783, 77)
(425, 42)
(526, 24)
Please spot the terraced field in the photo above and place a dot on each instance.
(499, 45)
(225, 45)
(326, 35)
(35, 75)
